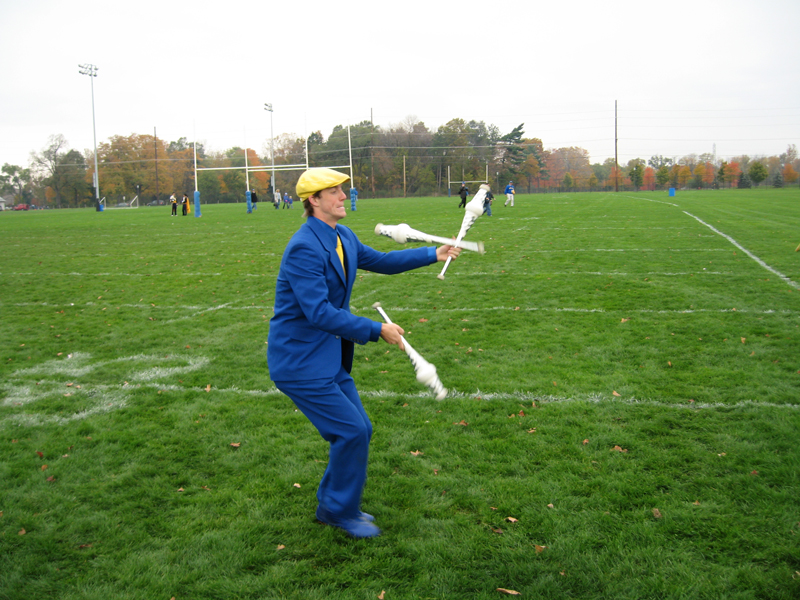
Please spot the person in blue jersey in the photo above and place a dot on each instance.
(509, 192)
(312, 337)
(353, 198)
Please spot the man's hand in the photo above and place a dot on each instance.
(442, 252)
(392, 334)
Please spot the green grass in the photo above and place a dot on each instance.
(593, 321)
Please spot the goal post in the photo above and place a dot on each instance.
(450, 181)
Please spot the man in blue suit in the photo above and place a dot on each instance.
(312, 336)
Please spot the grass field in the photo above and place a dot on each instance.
(623, 419)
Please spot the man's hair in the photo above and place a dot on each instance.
(308, 208)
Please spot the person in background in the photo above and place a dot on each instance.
(174, 202)
(510, 193)
(353, 198)
(254, 199)
(463, 192)
(487, 203)
(276, 198)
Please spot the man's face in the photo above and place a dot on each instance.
(329, 206)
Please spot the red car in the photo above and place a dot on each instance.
(21, 207)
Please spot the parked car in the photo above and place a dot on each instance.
(21, 207)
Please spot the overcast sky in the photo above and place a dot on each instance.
(687, 74)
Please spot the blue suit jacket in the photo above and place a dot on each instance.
(312, 333)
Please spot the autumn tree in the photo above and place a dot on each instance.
(789, 174)
(684, 174)
(571, 160)
(64, 171)
(649, 179)
(568, 182)
(535, 166)
(699, 174)
(710, 173)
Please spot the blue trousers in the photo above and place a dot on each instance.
(334, 407)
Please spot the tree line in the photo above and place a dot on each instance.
(406, 159)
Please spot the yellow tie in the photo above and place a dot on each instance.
(340, 252)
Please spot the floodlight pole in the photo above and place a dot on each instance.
(91, 70)
(268, 107)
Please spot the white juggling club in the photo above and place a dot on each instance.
(402, 233)
(472, 211)
(426, 372)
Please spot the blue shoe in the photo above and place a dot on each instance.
(357, 528)
(367, 517)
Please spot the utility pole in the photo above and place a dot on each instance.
(155, 146)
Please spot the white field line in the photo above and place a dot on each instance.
(746, 251)
(583, 310)
(267, 308)
(111, 398)
(730, 239)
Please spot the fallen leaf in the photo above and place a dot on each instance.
(423, 320)
(550, 506)
(615, 394)
(51, 479)
(562, 573)
(585, 442)
(416, 452)
(180, 489)
(532, 430)
(297, 485)
(539, 549)
(656, 513)
(509, 592)
(463, 422)
(40, 454)
(722, 454)
(381, 595)
(22, 532)
(751, 472)
(618, 449)
(208, 387)
(280, 547)
(624, 320)
(235, 444)
(521, 413)
(497, 530)
(669, 362)
(44, 467)
(743, 340)
(511, 519)
(85, 546)
(696, 502)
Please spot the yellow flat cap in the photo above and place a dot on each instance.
(315, 180)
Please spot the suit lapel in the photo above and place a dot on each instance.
(327, 236)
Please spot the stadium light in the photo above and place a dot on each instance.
(91, 71)
(271, 144)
